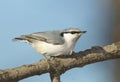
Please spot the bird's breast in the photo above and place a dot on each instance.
(50, 49)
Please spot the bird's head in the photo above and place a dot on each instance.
(72, 34)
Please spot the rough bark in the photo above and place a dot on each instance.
(59, 65)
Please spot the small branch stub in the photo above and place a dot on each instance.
(55, 77)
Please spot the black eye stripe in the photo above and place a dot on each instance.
(73, 32)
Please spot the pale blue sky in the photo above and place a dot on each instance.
(19, 17)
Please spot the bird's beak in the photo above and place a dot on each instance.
(83, 32)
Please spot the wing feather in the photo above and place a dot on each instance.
(52, 37)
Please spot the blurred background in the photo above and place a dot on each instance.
(100, 18)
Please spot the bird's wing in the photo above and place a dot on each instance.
(52, 37)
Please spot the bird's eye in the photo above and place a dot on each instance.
(74, 32)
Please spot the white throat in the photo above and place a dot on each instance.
(70, 40)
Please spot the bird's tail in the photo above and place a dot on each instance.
(23, 38)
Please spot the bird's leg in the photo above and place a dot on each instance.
(47, 61)
(71, 52)
(52, 57)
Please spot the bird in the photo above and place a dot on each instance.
(53, 43)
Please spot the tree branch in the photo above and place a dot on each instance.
(59, 65)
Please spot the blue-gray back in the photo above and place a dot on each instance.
(53, 37)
